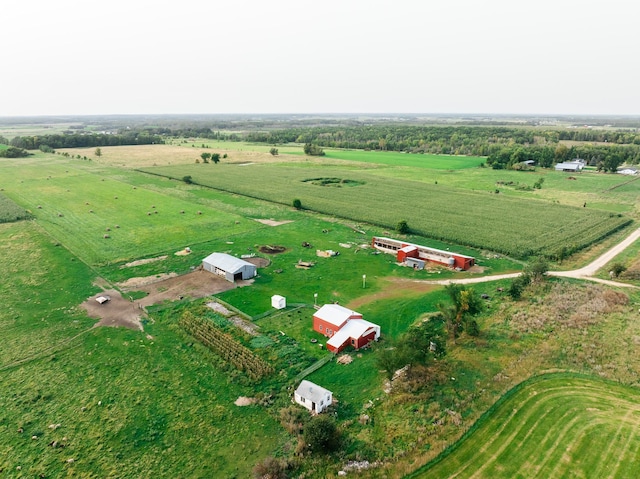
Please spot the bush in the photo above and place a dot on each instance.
(271, 468)
(297, 204)
(187, 179)
(402, 227)
(322, 435)
(617, 269)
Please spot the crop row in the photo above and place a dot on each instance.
(519, 227)
(225, 346)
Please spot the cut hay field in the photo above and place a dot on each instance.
(514, 226)
(79, 207)
(558, 425)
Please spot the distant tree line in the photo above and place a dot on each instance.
(76, 140)
(604, 158)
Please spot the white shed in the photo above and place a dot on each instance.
(229, 267)
(278, 302)
(315, 398)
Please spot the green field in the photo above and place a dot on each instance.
(395, 159)
(514, 226)
(157, 403)
(551, 426)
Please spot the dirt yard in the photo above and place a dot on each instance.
(118, 311)
(123, 311)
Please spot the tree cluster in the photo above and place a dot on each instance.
(78, 140)
(13, 152)
(420, 345)
(313, 150)
(605, 158)
(460, 314)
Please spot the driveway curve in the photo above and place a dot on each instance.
(585, 273)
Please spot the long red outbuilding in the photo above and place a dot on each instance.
(404, 250)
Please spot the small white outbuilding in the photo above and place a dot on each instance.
(315, 398)
(278, 302)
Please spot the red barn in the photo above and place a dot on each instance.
(344, 327)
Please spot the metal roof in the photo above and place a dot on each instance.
(335, 314)
(311, 391)
(355, 328)
(226, 262)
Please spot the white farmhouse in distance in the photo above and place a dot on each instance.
(315, 398)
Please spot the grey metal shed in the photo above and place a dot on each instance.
(229, 267)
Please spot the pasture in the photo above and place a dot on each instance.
(550, 426)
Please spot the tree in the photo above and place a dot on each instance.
(537, 270)
(517, 287)
(205, 157)
(402, 227)
(274, 151)
(617, 269)
(538, 184)
(459, 315)
(98, 152)
(322, 434)
(187, 179)
(297, 204)
(313, 150)
(215, 157)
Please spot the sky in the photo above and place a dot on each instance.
(77, 57)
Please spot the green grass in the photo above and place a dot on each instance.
(550, 426)
(129, 405)
(514, 226)
(9, 211)
(395, 159)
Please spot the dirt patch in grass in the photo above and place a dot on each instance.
(244, 401)
(394, 288)
(273, 222)
(117, 312)
(143, 261)
(258, 262)
(272, 249)
(194, 285)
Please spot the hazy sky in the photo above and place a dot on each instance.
(329, 56)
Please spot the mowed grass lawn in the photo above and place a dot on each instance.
(552, 426)
(117, 402)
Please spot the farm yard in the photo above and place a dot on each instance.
(160, 401)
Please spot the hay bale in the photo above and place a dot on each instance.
(181, 212)
(117, 226)
(199, 212)
(106, 236)
(60, 215)
(108, 229)
(115, 197)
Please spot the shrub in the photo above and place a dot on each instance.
(322, 435)
(297, 204)
(402, 227)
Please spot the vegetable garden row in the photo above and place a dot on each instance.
(225, 346)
